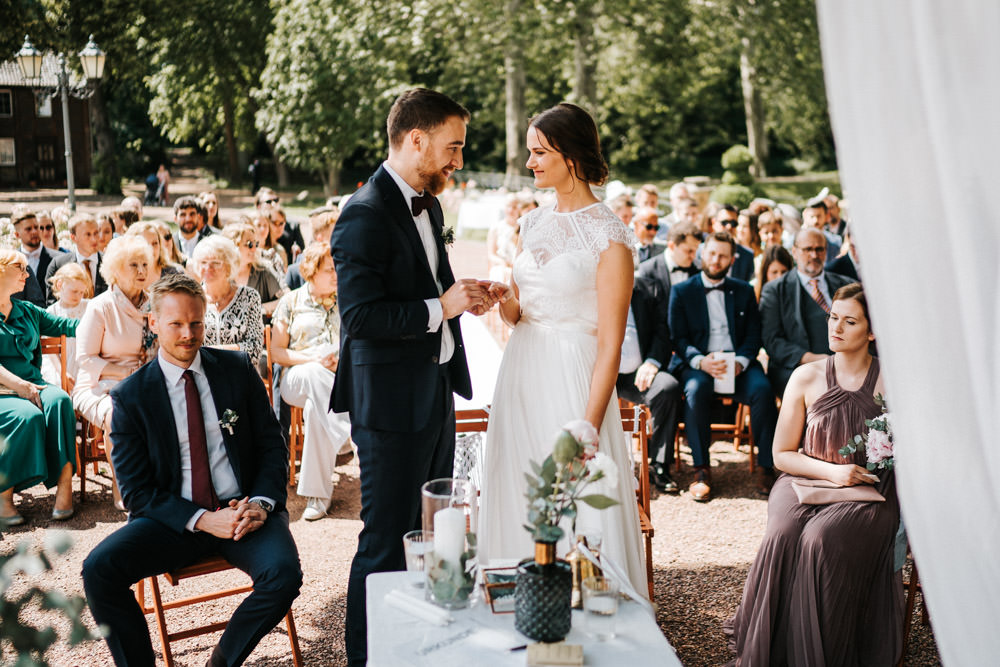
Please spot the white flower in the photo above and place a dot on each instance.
(583, 431)
(878, 446)
(606, 465)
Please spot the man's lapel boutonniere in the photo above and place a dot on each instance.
(229, 419)
(447, 236)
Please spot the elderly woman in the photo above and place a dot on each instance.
(36, 419)
(232, 316)
(252, 271)
(161, 265)
(305, 338)
(114, 339)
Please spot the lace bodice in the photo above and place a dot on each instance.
(556, 270)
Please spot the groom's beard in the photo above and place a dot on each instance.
(434, 180)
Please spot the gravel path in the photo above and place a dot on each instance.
(701, 555)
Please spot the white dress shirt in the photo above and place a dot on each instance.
(33, 257)
(719, 337)
(223, 478)
(435, 312)
(187, 245)
(93, 259)
(631, 355)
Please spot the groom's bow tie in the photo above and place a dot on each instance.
(421, 203)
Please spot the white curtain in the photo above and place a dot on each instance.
(914, 94)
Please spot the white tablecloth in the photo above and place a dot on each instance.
(478, 637)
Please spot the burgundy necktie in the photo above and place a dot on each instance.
(421, 203)
(202, 491)
(817, 295)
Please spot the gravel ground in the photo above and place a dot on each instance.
(701, 555)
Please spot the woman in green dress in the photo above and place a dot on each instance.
(37, 422)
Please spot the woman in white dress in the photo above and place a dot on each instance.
(572, 281)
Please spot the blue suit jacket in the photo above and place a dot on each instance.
(388, 361)
(689, 323)
(146, 453)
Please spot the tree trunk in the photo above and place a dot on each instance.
(331, 178)
(584, 81)
(753, 109)
(105, 177)
(516, 114)
(229, 129)
(282, 170)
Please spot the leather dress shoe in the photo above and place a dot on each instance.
(765, 481)
(701, 489)
(661, 479)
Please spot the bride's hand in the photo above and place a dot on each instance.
(849, 474)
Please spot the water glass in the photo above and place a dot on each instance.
(416, 544)
(600, 607)
(447, 492)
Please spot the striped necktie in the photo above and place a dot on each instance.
(817, 295)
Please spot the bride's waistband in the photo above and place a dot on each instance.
(562, 327)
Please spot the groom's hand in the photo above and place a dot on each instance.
(462, 296)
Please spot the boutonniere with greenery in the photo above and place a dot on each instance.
(229, 419)
(448, 236)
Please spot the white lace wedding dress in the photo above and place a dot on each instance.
(544, 382)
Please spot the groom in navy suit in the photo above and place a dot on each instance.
(202, 468)
(401, 350)
(712, 313)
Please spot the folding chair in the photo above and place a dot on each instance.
(636, 424)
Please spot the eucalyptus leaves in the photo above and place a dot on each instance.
(878, 443)
(558, 483)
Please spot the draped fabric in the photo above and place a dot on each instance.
(914, 90)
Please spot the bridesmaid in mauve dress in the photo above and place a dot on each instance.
(822, 590)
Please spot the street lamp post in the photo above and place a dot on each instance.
(92, 59)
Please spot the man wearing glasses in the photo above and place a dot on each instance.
(646, 224)
(794, 308)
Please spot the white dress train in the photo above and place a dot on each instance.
(544, 382)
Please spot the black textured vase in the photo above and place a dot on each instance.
(542, 600)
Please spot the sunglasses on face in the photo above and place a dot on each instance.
(728, 223)
(651, 226)
(251, 244)
(45, 228)
(270, 201)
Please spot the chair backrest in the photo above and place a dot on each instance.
(57, 345)
(269, 372)
(636, 424)
(472, 421)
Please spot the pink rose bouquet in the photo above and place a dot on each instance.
(877, 443)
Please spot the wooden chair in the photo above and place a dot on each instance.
(738, 430)
(205, 566)
(470, 425)
(911, 588)
(636, 424)
(89, 450)
(56, 345)
(296, 434)
(472, 421)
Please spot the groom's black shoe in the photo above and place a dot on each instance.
(661, 479)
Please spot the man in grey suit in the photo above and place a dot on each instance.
(794, 309)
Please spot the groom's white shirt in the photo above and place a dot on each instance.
(435, 313)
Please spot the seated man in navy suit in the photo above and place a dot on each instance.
(202, 468)
(711, 313)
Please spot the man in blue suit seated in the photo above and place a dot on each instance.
(202, 468)
(711, 313)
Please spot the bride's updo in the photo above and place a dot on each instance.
(571, 131)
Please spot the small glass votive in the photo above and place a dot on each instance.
(600, 607)
(416, 544)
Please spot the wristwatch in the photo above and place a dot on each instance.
(263, 504)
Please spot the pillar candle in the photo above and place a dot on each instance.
(449, 535)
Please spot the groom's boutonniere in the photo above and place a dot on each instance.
(447, 236)
(229, 419)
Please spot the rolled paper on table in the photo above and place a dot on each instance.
(449, 535)
(422, 610)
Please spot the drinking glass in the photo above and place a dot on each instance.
(600, 607)
(416, 544)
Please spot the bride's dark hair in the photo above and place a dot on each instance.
(571, 131)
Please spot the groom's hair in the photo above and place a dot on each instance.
(174, 283)
(421, 109)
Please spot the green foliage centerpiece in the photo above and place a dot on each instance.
(545, 584)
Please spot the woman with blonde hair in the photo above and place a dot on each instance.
(170, 248)
(36, 418)
(114, 338)
(232, 315)
(253, 271)
(150, 231)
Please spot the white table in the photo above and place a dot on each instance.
(478, 637)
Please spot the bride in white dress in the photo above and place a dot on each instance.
(572, 281)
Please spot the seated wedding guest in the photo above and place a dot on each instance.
(646, 223)
(47, 230)
(197, 483)
(279, 223)
(253, 271)
(647, 196)
(233, 319)
(678, 191)
(114, 338)
(500, 244)
(73, 292)
(769, 229)
(105, 231)
(321, 224)
(688, 210)
(848, 262)
(775, 262)
(134, 204)
(86, 238)
(794, 309)
(124, 218)
(643, 376)
(290, 235)
(39, 257)
(623, 207)
(211, 203)
(269, 252)
(822, 590)
(174, 256)
(36, 418)
(151, 233)
(725, 219)
(834, 223)
(748, 235)
(305, 338)
(815, 216)
(189, 215)
(711, 313)
(676, 264)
